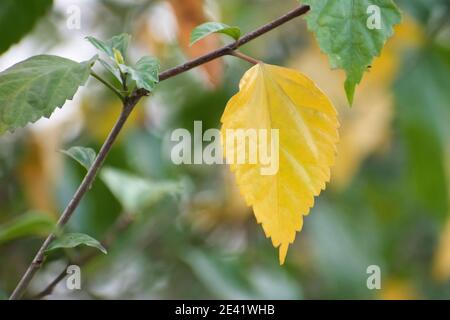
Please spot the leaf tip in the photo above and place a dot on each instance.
(102, 249)
(350, 92)
(283, 249)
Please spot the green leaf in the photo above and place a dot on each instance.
(18, 17)
(72, 240)
(134, 193)
(28, 224)
(112, 69)
(235, 279)
(221, 278)
(208, 28)
(34, 88)
(145, 73)
(335, 239)
(84, 156)
(341, 29)
(119, 43)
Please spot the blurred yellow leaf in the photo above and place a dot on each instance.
(190, 14)
(215, 207)
(362, 134)
(100, 116)
(396, 289)
(441, 263)
(40, 167)
(273, 97)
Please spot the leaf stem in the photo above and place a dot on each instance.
(226, 50)
(129, 103)
(109, 86)
(244, 57)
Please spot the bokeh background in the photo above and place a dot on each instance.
(184, 232)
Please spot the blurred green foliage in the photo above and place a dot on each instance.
(205, 243)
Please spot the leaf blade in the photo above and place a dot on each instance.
(341, 30)
(135, 193)
(73, 240)
(145, 73)
(208, 28)
(19, 17)
(82, 155)
(34, 88)
(272, 97)
(119, 42)
(31, 223)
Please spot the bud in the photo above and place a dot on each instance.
(118, 56)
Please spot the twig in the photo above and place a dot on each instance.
(227, 50)
(245, 57)
(49, 289)
(129, 104)
(110, 86)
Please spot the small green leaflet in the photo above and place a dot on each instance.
(34, 88)
(134, 193)
(72, 240)
(112, 69)
(341, 29)
(84, 156)
(29, 224)
(208, 28)
(145, 73)
(18, 17)
(120, 43)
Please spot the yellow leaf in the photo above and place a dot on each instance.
(222, 206)
(398, 289)
(118, 56)
(273, 97)
(441, 263)
(40, 168)
(100, 113)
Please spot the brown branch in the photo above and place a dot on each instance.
(49, 289)
(227, 50)
(129, 104)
